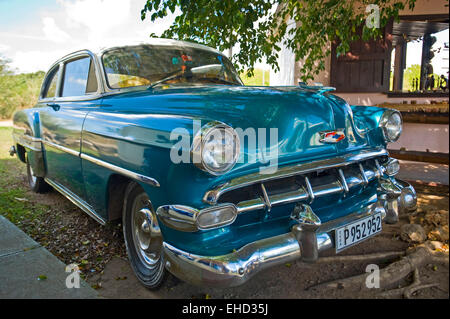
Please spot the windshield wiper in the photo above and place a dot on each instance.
(189, 73)
(176, 74)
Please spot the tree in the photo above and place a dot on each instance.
(4, 68)
(258, 27)
(17, 90)
(412, 72)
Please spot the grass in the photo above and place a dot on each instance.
(53, 221)
(16, 203)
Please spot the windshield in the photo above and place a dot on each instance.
(148, 64)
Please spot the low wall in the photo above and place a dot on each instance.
(423, 137)
(368, 99)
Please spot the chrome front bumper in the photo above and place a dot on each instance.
(305, 241)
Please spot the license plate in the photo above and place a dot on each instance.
(358, 231)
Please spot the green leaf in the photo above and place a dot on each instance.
(42, 277)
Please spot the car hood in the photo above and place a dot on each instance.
(298, 115)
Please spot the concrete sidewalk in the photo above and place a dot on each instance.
(23, 261)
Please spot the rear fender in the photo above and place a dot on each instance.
(26, 135)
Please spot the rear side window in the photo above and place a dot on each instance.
(79, 78)
(52, 80)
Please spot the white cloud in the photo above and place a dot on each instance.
(4, 47)
(98, 16)
(36, 60)
(52, 32)
(74, 24)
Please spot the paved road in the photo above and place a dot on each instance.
(28, 270)
(424, 172)
(6, 123)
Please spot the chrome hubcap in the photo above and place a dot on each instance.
(146, 233)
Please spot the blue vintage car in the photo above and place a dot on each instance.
(213, 180)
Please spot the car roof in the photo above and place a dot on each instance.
(98, 49)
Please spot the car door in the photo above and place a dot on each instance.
(62, 120)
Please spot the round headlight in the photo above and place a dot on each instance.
(391, 123)
(215, 148)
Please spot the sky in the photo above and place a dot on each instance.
(35, 33)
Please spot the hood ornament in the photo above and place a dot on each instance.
(332, 137)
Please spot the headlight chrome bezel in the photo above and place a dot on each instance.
(383, 123)
(199, 142)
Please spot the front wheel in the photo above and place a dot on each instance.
(143, 238)
(37, 184)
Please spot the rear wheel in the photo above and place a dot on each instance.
(143, 238)
(37, 184)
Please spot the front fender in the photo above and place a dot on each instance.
(367, 119)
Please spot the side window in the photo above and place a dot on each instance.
(79, 78)
(51, 82)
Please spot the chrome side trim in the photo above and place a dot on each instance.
(117, 169)
(120, 170)
(76, 200)
(31, 142)
(213, 195)
(61, 148)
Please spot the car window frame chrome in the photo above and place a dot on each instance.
(62, 64)
(45, 84)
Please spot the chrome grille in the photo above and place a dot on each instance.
(305, 187)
